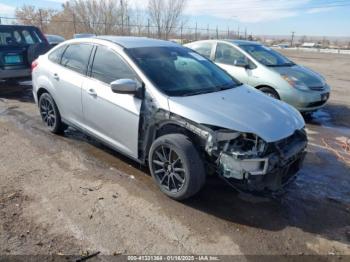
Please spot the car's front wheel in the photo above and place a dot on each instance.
(270, 92)
(176, 166)
(50, 114)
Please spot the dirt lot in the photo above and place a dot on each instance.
(70, 195)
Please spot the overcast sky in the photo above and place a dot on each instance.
(264, 17)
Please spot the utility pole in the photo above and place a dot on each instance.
(148, 25)
(122, 15)
(292, 40)
(245, 34)
(208, 32)
(74, 24)
(181, 31)
(128, 25)
(41, 20)
(106, 25)
(196, 35)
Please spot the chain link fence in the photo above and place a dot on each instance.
(182, 34)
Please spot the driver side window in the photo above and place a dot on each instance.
(229, 55)
(108, 66)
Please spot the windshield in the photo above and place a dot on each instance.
(266, 55)
(178, 71)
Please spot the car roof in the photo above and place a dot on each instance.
(231, 41)
(243, 42)
(19, 26)
(136, 42)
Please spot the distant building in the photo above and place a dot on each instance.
(311, 45)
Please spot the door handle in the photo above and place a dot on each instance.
(55, 76)
(92, 92)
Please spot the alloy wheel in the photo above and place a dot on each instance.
(168, 169)
(47, 112)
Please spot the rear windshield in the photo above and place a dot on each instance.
(18, 36)
(54, 38)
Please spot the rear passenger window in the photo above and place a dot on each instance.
(76, 57)
(55, 56)
(203, 48)
(108, 66)
(229, 55)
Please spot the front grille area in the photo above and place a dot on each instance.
(317, 88)
(314, 104)
(298, 136)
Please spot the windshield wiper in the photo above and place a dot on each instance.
(200, 92)
(227, 86)
(217, 89)
(281, 65)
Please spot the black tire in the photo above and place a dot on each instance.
(270, 92)
(307, 116)
(35, 50)
(50, 114)
(187, 165)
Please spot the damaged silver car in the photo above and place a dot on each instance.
(168, 107)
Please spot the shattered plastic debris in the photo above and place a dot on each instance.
(341, 148)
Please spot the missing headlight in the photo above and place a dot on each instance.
(243, 156)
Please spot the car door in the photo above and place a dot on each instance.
(68, 78)
(112, 117)
(233, 61)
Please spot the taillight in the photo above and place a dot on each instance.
(34, 64)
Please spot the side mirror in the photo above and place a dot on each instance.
(124, 86)
(242, 64)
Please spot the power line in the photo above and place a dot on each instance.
(284, 8)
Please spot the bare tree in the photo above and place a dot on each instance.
(166, 15)
(30, 15)
(98, 16)
(138, 19)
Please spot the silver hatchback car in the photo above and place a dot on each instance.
(267, 70)
(164, 105)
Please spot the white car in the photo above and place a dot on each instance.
(163, 105)
(268, 71)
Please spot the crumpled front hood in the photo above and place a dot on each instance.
(242, 109)
(303, 74)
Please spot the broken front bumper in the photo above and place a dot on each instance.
(271, 172)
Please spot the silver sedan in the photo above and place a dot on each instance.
(164, 105)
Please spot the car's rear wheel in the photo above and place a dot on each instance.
(50, 114)
(270, 92)
(176, 166)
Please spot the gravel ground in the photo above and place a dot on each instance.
(69, 195)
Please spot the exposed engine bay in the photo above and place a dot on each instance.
(255, 165)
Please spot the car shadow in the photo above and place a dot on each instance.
(309, 203)
(20, 91)
(330, 115)
(317, 202)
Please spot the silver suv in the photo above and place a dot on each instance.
(164, 105)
